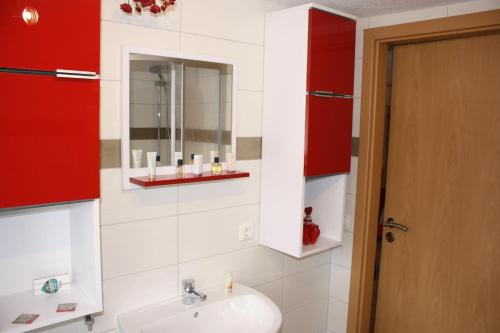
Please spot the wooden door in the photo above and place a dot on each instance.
(443, 274)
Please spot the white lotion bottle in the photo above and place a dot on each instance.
(230, 162)
(151, 164)
(198, 165)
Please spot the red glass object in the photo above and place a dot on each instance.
(311, 231)
(331, 45)
(50, 35)
(49, 139)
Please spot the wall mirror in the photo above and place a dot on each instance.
(175, 104)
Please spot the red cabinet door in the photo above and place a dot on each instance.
(49, 139)
(331, 53)
(328, 136)
(50, 35)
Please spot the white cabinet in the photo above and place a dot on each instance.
(285, 190)
(46, 241)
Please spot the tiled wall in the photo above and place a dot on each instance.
(341, 258)
(151, 239)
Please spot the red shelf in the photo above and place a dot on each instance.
(186, 179)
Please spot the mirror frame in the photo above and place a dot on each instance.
(127, 171)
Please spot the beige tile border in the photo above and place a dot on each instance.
(111, 156)
(248, 148)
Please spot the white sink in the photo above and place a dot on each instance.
(245, 310)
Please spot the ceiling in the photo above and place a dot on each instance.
(372, 7)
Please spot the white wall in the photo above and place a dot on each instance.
(341, 258)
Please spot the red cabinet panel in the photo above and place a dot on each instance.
(330, 53)
(49, 139)
(328, 136)
(65, 36)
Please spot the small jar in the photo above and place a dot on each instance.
(216, 167)
(179, 172)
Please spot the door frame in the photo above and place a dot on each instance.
(376, 44)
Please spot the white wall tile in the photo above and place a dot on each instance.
(409, 16)
(215, 232)
(343, 255)
(115, 35)
(252, 266)
(337, 316)
(350, 214)
(358, 67)
(242, 22)
(169, 20)
(110, 115)
(306, 287)
(249, 113)
(356, 115)
(472, 7)
(249, 58)
(273, 290)
(311, 318)
(294, 265)
(119, 206)
(339, 283)
(133, 291)
(223, 194)
(353, 176)
(138, 246)
(358, 51)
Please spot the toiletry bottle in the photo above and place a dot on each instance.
(230, 163)
(198, 165)
(216, 167)
(179, 169)
(228, 285)
(151, 164)
(213, 155)
(192, 159)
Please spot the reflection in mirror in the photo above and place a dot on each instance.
(179, 106)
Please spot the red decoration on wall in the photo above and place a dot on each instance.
(150, 5)
(311, 231)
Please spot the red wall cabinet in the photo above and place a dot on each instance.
(49, 125)
(58, 35)
(306, 126)
(330, 82)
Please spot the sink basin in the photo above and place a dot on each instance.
(245, 310)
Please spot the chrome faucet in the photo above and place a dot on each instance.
(189, 294)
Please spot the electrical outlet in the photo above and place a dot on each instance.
(246, 231)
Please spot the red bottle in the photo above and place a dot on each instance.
(311, 231)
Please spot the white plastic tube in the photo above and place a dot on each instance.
(151, 164)
(198, 165)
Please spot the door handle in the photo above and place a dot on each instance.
(391, 223)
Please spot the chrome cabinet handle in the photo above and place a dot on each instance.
(72, 74)
(391, 223)
(329, 94)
